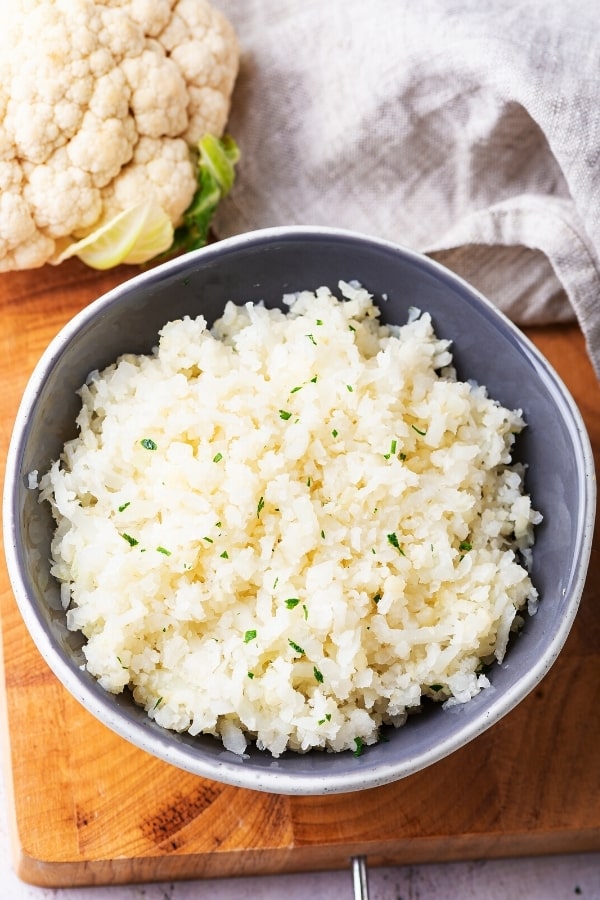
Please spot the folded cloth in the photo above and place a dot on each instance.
(464, 129)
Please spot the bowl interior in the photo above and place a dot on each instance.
(261, 267)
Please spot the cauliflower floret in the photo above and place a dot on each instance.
(156, 164)
(200, 48)
(100, 104)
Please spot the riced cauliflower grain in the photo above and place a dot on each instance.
(291, 528)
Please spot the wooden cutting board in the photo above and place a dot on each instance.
(87, 808)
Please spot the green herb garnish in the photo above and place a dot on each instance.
(224, 555)
(418, 430)
(158, 702)
(124, 506)
(250, 675)
(285, 414)
(318, 675)
(393, 540)
(305, 608)
(349, 388)
(260, 506)
(291, 602)
(217, 457)
(376, 598)
(312, 339)
(130, 540)
(334, 432)
(296, 647)
(465, 545)
(148, 444)
(358, 743)
(249, 636)
(164, 551)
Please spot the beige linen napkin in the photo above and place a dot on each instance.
(465, 129)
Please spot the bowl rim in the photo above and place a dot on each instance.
(228, 768)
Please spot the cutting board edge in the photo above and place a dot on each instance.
(248, 863)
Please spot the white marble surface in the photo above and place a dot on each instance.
(550, 878)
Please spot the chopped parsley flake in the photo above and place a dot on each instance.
(275, 582)
(465, 545)
(402, 456)
(148, 444)
(285, 414)
(393, 446)
(260, 506)
(308, 482)
(296, 647)
(311, 338)
(164, 551)
(358, 743)
(305, 608)
(393, 540)
(318, 675)
(121, 663)
(158, 702)
(335, 432)
(249, 636)
(217, 457)
(376, 598)
(124, 506)
(224, 555)
(217, 524)
(130, 540)
(295, 390)
(251, 675)
(418, 430)
(349, 388)
(319, 321)
(351, 327)
(208, 539)
(322, 534)
(314, 379)
(291, 602)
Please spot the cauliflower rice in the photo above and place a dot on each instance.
(293, 527)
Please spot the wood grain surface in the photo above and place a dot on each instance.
(87, 808)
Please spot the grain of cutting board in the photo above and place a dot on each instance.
(88, 808)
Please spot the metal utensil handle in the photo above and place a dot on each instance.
(359, 878)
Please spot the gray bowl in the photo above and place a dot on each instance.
(262, 266)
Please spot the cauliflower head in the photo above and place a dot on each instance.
(102, 106)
